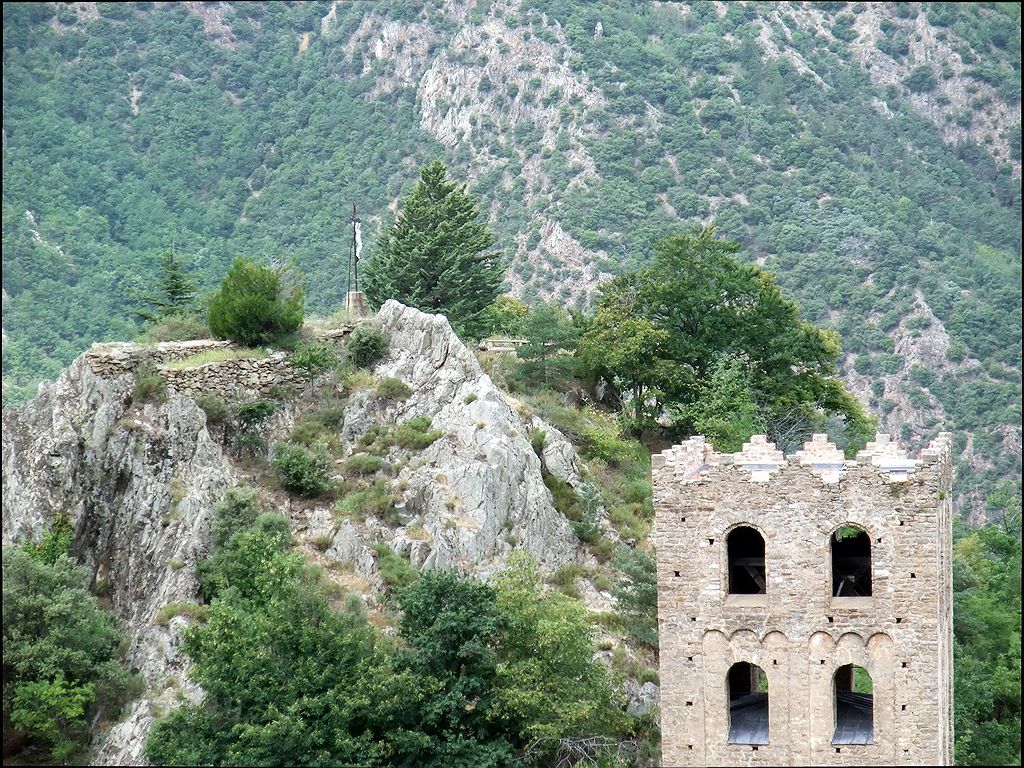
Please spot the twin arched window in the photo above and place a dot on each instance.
(852, 697)
(851, 562)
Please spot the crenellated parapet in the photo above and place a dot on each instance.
(691, 460)
(822, 456)
(761, 458)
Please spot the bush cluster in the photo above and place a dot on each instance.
(256, 304)
(302, 470)
(313, 358)
(393, 389)
(367, 346)
(415, 434)
(365, 463)
(373, 501)
(148, 386)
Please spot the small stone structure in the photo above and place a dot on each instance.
(791, 618)
(227, 378)
(355, 304)
(501, 345)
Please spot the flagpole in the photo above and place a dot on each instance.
(355, 302)
(355, 251)
(348, 276)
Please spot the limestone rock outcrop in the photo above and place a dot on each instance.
(138, 483)
(478, 492)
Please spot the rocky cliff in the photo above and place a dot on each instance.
(139, 483)
(477, 492)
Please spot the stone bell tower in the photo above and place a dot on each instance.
(805, 604)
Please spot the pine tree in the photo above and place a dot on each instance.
(549, 333)
(256, 304)
(175, 291)
(436, 256)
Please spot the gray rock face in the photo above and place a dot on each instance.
(138, 485)
(477, 492)
(641, 698)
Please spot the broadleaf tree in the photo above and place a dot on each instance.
(480, 675)
(663, 330)
(438, 255)
(60, 651)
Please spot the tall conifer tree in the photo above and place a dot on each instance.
(175, 291)
(437, 255)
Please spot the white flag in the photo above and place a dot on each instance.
(359, 240)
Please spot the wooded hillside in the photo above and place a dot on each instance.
(869, 156)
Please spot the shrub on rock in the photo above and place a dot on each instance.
(367, 346)
(302, 470)
(256, 304)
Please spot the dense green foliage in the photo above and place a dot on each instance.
(665, 332)
(724, 410)
(637, 593)
(482, 676)
(302, 470)
(256, 304)
(437, 255)
(54, 543)
(505, 317)
(367, 346)
(60, 649)
(549, 333)
(987, 625)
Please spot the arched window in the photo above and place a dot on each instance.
(748, 704)
(851, 562)
(746, 562)
(854, 705)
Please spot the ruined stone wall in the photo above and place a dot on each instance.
(233, 378)
(797, 632)
(237, 377)
(118, 358)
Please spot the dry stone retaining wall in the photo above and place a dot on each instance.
(233, 377)
(226, 378)
(797, 632)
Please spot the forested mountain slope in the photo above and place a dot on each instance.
(868, 155)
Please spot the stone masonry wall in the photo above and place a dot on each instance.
(797, 632)
(227, 378)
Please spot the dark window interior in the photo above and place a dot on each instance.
(851, 563)
(854, 705)
(746, 563)
(748, 704)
